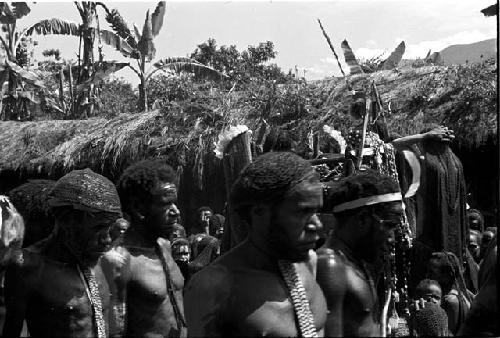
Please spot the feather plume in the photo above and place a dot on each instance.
(337, 136)
(225, 138)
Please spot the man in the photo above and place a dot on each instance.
(216, 226)
(474, 245)
(148, 296)
(182, 254)
(202, 224)
(265, 286)
(57, 285)
(475, 219)
(367, 208)
(175, 231)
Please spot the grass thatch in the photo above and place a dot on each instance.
(462, 97)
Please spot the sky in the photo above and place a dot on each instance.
(372, 27)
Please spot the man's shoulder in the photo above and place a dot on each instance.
(331, 259)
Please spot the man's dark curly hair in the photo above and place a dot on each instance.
(364, 184)
(202, 209)
(141, 178)
(268, 179)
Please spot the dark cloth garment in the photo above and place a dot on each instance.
(441, 222)
(471, 272)
(463, 308)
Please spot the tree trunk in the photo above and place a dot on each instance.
(61, 90)
(84, 101)
(143, 94)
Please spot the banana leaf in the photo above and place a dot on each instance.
(20, 9)
(183, 64)
(118, 43)
(102, 71)
(54, 26)
(146, 45)
(350, 59)
(157, 18)
(393, 60)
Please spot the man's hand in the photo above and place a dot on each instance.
(440, 134)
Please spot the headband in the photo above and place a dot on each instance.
(392, 197)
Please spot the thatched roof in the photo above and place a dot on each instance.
(59, 146)
(416, 96)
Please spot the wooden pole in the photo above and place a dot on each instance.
(61, 89)
(71, 93)
(363, 137)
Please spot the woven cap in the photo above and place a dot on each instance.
(86, 190)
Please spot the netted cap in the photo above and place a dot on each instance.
(85, 190)
(269, 178)
(431, 321)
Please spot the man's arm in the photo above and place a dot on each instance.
(205, 299)
(115, 265)
(331, 276)
(16, 298)
(442, 134)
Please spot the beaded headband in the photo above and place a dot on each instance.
(368, 201)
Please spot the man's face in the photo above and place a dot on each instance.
(162, 211)
(92, 234)
(203, 218)
(433, 294)
(378, 229)
(118, 229)
(474, 246)
(474, 221)
(181, 253)
(294, 224)
(174, 233)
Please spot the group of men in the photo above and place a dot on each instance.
(81, 282)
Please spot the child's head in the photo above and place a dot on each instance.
(430, 291)
(431, 321)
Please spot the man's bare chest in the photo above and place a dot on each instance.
(60, 292)
(262, 307)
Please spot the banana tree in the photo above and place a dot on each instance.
(140, 46)
(14, 43)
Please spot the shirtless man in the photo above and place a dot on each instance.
(148, 296)
(57, 285)
(367, 208)
(246, 292)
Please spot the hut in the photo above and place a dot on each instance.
(462, 97)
